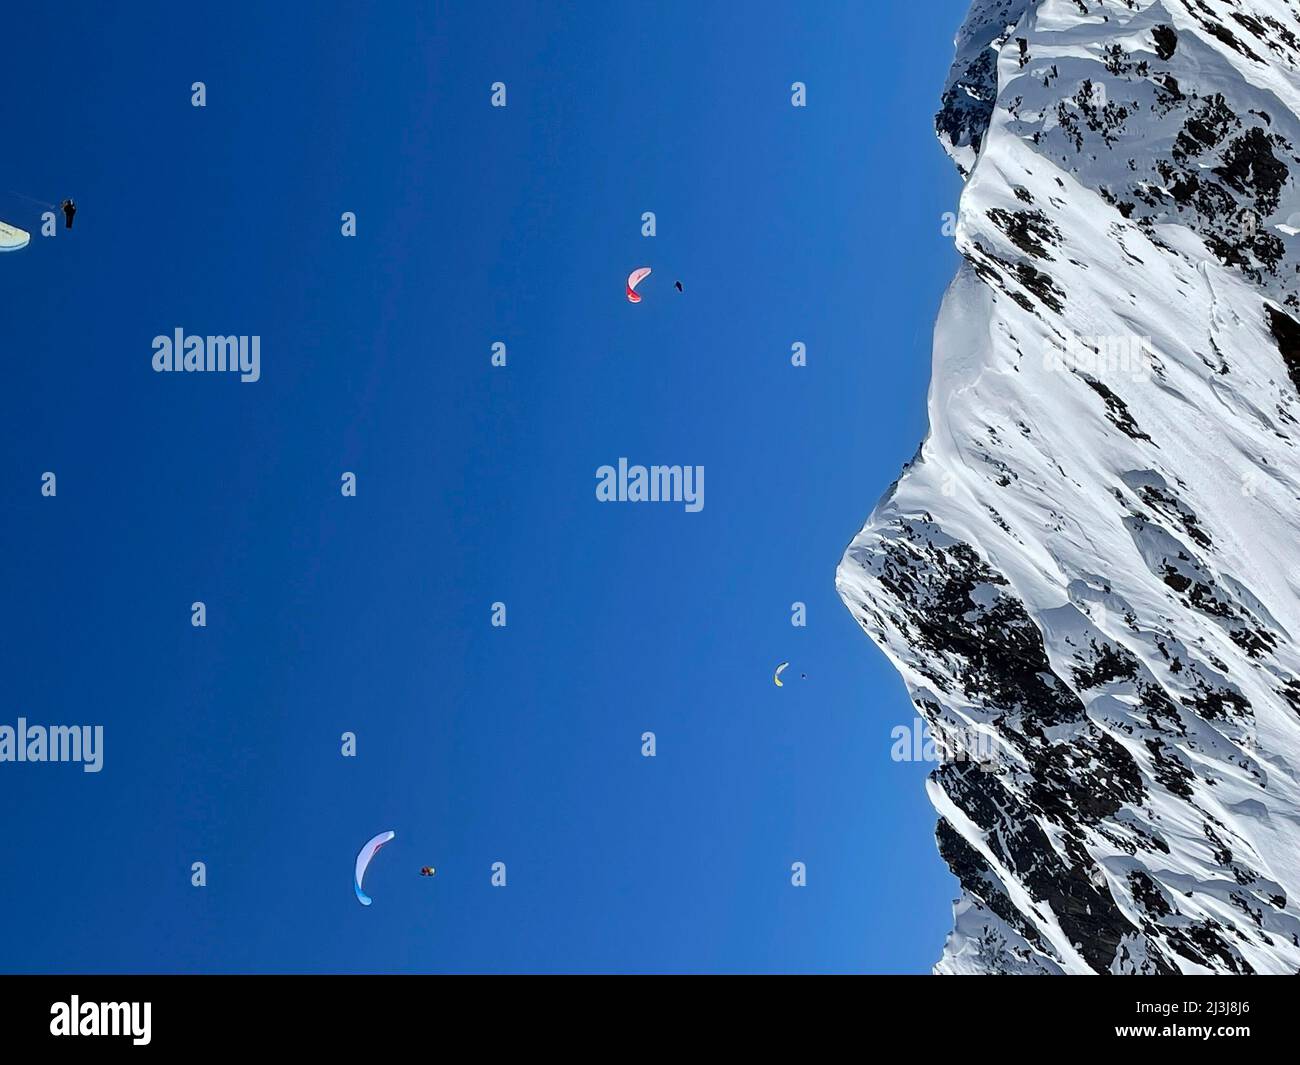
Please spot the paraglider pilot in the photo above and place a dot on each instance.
(69, 209)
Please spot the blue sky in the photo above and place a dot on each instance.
(475, 484)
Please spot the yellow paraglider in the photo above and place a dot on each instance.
(777, 675)
(12, 238)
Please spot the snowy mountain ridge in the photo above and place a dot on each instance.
(1091, 562)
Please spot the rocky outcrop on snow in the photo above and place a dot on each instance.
(1092, 564)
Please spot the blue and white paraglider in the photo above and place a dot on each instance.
(363, 862)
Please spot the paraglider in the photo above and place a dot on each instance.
(363, 861)
(12, 238)
(427, 870)
(678, 286)
(633, 279)
(69, 209)
(777, 675)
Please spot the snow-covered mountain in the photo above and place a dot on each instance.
(1091, 567)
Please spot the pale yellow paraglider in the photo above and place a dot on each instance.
(12, 238)
(777, 675)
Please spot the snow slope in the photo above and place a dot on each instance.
(1092, 561)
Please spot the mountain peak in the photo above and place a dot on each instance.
(1091, 563)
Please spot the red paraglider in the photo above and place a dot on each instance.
(633, 279)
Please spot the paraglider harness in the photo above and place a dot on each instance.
(68, 207)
